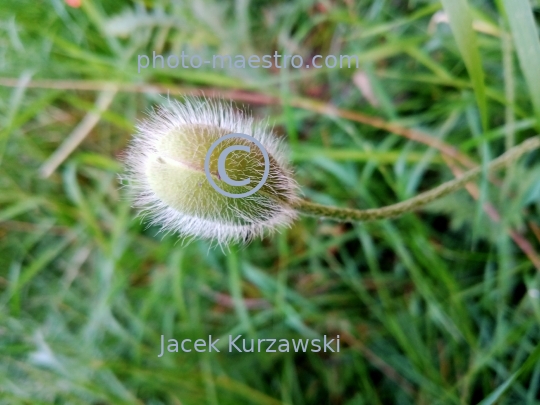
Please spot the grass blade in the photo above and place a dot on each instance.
(527, 43)
(498, 393)
(461, 22)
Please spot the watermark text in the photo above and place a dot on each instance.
(279, 61)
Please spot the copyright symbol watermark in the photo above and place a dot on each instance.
(221, 165)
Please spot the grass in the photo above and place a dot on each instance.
(436, 307)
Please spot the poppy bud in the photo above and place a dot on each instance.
(166, 176)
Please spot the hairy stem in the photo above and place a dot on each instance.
(395, 210)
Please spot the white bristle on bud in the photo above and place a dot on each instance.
(166, 178)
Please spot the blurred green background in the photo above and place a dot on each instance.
(437, 307)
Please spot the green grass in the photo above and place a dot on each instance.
(437, 307)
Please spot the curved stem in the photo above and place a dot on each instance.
(391, 211)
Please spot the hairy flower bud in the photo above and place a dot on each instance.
(165, 166)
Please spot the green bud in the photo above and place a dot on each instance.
(165, 165)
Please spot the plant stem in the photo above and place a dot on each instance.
(395, 210)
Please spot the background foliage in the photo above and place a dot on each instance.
(437, 307)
